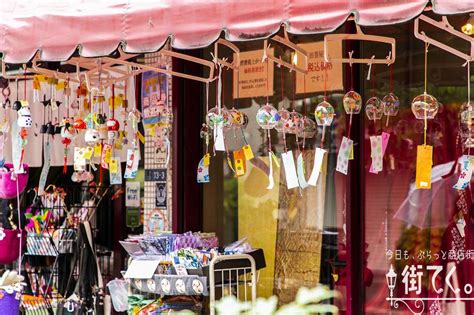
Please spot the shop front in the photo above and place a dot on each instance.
(191, 156)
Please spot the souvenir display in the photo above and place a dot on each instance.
(118, 160)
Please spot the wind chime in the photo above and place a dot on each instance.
(424, 107)
(324, 115)
(267, 117)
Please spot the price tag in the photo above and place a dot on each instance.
(97, 150)
(88, 151)
(106, 155)
(424, 162)
(113, 165)
(79, 161)
(248, 152)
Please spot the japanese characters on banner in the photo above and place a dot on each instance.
(316, 69)
(254, 76)
(154, 97)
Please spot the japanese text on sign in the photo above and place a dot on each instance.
(318, 70)
(253, 76)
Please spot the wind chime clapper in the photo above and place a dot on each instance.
(297, 52)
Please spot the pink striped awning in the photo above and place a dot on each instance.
(97, 27)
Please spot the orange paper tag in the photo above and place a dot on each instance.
(424, 162)
(239, 161)
(248, 152)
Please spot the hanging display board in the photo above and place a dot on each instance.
(316, 69)
(154, 96)
(253, 75)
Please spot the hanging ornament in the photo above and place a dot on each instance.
(267, 117)
(352, 102)
(466, 117)
(309, 127)
(425, 106)
(237, 118)
(324, 114)
(282, 123)
(374, 108)
(466, 122)
(391, 104)
(295, 123)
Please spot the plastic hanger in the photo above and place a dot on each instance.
(361, 36)
(445, 26)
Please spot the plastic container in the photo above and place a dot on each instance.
(119, 294)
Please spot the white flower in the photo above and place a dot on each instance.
(230, 305)
(265, 306)
(2, 234)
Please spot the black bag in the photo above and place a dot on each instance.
(88, 292)
(71, 307)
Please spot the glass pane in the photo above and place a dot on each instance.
(414, 230)
(300, 230)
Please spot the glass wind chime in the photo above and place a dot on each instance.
(425, 107)
(267, 117)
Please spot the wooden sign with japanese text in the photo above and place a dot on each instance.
(316, 69)
(254, 76)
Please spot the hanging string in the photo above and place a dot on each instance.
(268, 83)
(426, 82)
(24, 83)
(113, 101)
(294, 92)
(426, 65)
(282, 87)
(373, 82)
(391, 72)
(350, 65)
(223, 91)
(325, 80)
(67, 96)
(468, 63)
